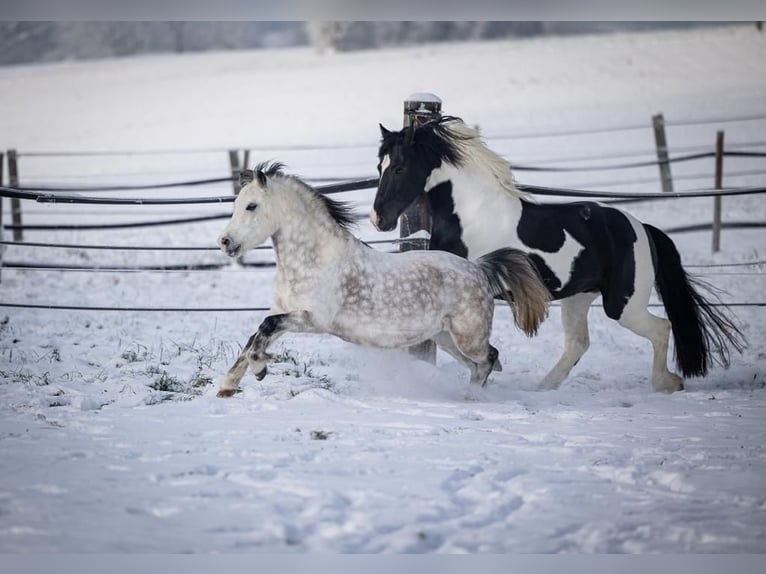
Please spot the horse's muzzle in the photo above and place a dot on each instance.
(381, 224)
(229, 246)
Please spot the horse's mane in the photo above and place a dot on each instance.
(341, 212)
(469, 147)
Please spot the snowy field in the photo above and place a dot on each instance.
(112, 440)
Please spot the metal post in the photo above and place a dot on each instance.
(418, 109)
(662, 152)
(718, 185)
(13, 181)
(2, 247)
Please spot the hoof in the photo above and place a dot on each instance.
(226, 393)
(547, 386)
(670, 383)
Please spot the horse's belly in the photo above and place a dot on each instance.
(385, 332)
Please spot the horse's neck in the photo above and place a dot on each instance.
(307, 240)
(482, 205)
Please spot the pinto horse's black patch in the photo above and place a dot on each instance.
(607, 261)
(446, 231)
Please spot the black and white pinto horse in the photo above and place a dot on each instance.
(328, 281)
(581, 249)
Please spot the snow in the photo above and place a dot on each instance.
(111, 437)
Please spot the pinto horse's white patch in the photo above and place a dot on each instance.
(384, 163)
(562, 261)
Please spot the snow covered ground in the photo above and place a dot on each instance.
(112, 440)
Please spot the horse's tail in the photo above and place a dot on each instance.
(512, 276)
(702, 330)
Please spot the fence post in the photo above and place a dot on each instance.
(235, 168)
(13, 181)
(718, 185)
(662, 152)
(418, 109)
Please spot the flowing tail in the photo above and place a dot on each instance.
(702, 330)
(512, 276)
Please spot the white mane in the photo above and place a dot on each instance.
(469, 144)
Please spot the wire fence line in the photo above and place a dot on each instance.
(325, 146)
(263, 309)
(624, 128)
(516, 167)
(590, 185)
(418, 241)
(538, 161)
(41, 197)
(400, 241)
(229, 268)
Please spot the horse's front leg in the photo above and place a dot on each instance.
(230, 383)
(254, 353)
(273, 327)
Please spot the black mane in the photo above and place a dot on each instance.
(270, 168)
(431, 142)
(341, 212)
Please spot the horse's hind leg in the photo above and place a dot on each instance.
(574, 320)
(635, 316)
(230, 383)
(639, 320)
(473, 346)
(444, 341)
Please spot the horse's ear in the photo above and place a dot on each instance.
(261, 178)
(245, 177)
(410, 139)
(383, 131)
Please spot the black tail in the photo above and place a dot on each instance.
(512, 275)
(702, 330)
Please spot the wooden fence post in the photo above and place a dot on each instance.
(235, 168)
(245, 159)
(662, 152)
(418, 109)
(718, 185)
(13, 181)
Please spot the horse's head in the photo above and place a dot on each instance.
(407, 159)
(252, 221)
(404, 168)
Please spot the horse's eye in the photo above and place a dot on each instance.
(251, 206)
(398, 169)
